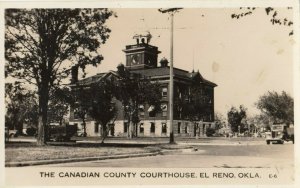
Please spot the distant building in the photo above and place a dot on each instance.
(142, 58)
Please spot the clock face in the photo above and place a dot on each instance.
(134, 59)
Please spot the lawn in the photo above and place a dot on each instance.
(30, 152)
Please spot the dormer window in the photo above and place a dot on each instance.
(164, 92)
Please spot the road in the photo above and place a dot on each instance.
(207, 156)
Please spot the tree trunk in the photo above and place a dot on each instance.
(104, 133)
(131, 130)
(42, 137)
(41, 132)
(84, 127)
(136, 130)
(197, 131)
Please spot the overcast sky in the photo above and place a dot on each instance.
(245, 57)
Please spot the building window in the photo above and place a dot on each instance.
(96, 127)
(164, 128)
(142, 128)
(76, 113)
(164, 114)
(142, 110)
(178, 127)
(142, 114)
(125, 127)
(76, 126)
(152, 127)
(164, 108)
(112, 129)
(151, 111)
(164, 92)
(185, 128)
(152, 114)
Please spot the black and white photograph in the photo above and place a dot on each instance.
(134, 95)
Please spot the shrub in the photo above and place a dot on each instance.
(31, 131)
(210, 131)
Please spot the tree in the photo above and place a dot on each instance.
(278, 107)
(235, 118)
(41, 46)
(102, 108)
(260, 121)
(59, 102)
(135, 90)
(21, 106)
(270, 11)
(81, 103)
(219, 121)
(195, 106)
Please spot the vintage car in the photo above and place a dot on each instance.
(279, 134)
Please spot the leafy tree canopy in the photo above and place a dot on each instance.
(134, 90)
(59, 102)
(42, 46)
(21, 106)
(219, 121)
(38, 42)
(103, 109)
(197, 107)
(273, 13)
(278, 107)
(235, 118)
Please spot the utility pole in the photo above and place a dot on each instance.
(171, 12)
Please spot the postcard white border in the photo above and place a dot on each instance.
(160, 4)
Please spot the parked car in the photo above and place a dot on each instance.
(11, 133)
(62, 133)
(279, 133)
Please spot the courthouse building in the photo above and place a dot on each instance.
(142, 58)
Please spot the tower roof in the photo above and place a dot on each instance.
(142, 37)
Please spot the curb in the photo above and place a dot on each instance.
(57, 161)
(220, 144)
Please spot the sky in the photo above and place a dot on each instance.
(245, 57)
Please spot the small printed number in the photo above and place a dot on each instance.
(272, 175)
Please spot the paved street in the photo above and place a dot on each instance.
(207, 156)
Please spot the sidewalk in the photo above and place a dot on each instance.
(57, 161)
(157, 140)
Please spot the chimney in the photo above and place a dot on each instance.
(164, 62)
(74, 74)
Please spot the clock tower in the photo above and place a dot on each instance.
(141, 55)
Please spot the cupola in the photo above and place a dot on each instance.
(164, 62)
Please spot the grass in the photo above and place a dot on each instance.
(30, 152)
(21, 151)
